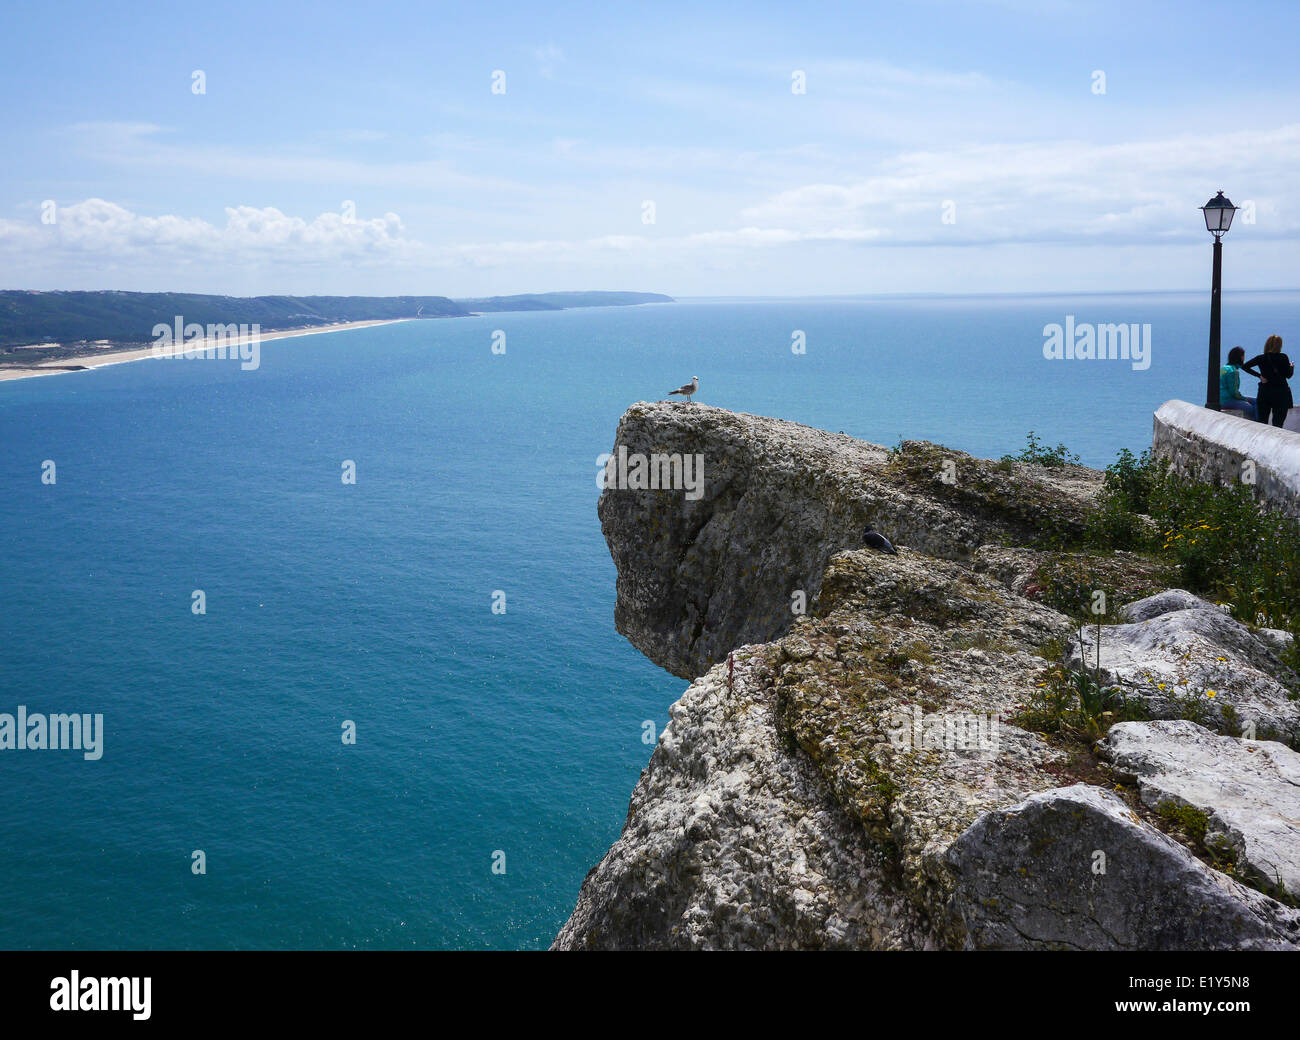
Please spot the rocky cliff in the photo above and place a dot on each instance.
(856, 763)
(697, 578)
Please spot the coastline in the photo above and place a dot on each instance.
(121, 357)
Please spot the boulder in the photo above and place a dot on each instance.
(1162, 603)
(1076, 869)
(1197, 663)
(1248, 791)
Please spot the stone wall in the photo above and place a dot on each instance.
(1213, 446)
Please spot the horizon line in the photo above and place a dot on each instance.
(940, 293)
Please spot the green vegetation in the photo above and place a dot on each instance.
(1037, 453)
(1124, 501)
(1130, 479)
(1076, 704)
(1192, 821)
(1192, 826)
(1218, 541)
(1069, 582)
(65, 318)
(128, 317)
(1153, 526)
(1210, 539)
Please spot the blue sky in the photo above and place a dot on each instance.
(985, 111)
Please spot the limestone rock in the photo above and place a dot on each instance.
(1249, 790)
(1066, 580)
(1162, 603)
(698, 578)
(859, 782)
(731, 842)
(1199, 663)
(1028, 878)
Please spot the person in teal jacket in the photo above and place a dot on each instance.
(1230, 396)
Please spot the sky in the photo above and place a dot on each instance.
(695, 149)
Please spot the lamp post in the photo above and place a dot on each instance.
(1218, 218)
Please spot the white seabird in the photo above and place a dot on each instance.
(689, 389)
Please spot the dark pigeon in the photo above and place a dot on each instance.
(873, 539)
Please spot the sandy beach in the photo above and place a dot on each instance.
(118, 357)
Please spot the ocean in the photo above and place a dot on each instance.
(495, 751)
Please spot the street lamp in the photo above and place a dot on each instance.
(1218, 218)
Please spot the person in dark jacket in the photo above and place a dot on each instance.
(1273, 368)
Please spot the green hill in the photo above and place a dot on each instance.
(127, 317)
(29, 317)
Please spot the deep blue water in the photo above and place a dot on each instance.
(477, 732)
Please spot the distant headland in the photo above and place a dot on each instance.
(40, 332)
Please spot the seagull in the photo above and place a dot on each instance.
(687, 390)
(873, 539)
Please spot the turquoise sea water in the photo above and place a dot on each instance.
(476, 732)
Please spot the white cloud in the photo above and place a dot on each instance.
(1062, 190)
(97, 226)
(1069, 195)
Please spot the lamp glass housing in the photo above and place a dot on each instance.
(1219, 212)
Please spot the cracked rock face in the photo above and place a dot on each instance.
(780, 811)
(698, 578)
(819, 800)
(732, 842)
(857, 781)
(1249, 791)
(888, 690)
(1074, 868)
